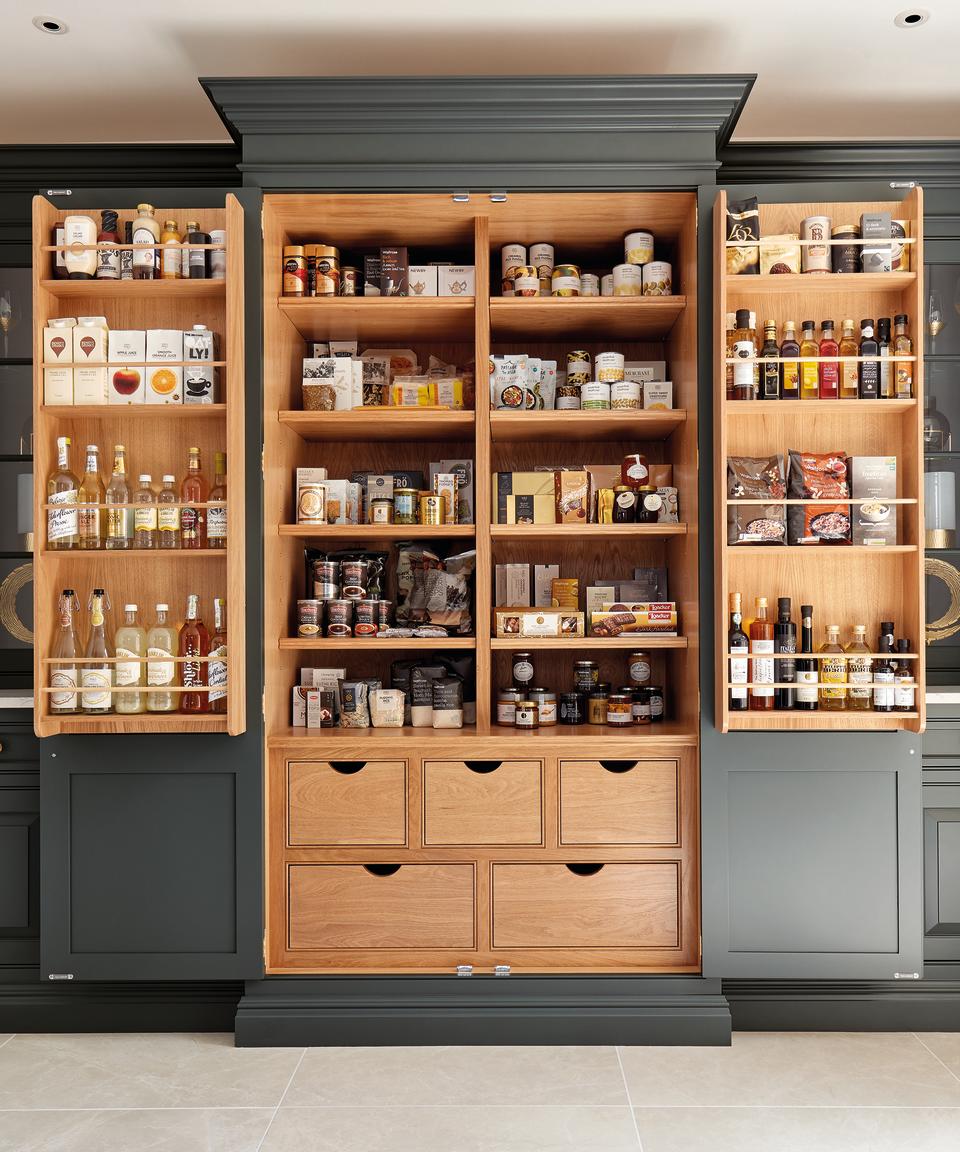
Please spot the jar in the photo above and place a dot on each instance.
(595, 396)
(657, 704)
(845, 257)
(641, 705)
(433, 508)
(570, 710)
(610, 366)
(528, 715)
(404, 505)
(625, 394)
(606, 284)
(627, 280)
(380, 510)
(657, 278)
(815, 257)
(633, 470)
(638, 669)
(294, 271)
(340, 617)
(565, 280)
(597, 706)
(648, 510)
(354, 578)
(586, 674)
(507, 706)
(349, 281)
(365, 618)
(526, 282)
(638, 247)
(579, 367)
(309, 617)
(568, 396)
(522, 670)
(589, 284)
(624, 505)
(546, 702)
(620, 709)
(328, 270)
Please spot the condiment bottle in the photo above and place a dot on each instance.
(885, 366)
(833, 672)
(761, 666)
(171, 256)
(146, 230)
(903, 369)
(108, 259)
(198, 258)
(829, 369)
(80, 261)
(869, 370)
(904, 688)
(809, 376)
(849, 389)
(790, 366)
(770, 379)
(744, 352)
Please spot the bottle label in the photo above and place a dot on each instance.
(807, 687)
(63, 680)
(171, 259)
(903, 694)
(883, 691)
(762, 669)
(829, 380)
(849, 381)
(126, 264)
(834, 679)
(62, 522)
(904, 379)
(95, 684)
(189, 522)
(743, 373)
(89, 523)
(739, 674)
(119, 523)
(869, 380)
(198, 258)
(640, 672)
(143, 257)
(145, 518)
(217, 672)
(127, 671)
(108, 264)
(810, 378)
(860, 679)
(217, 524)
(168, 519)
(791, 378)
(771, 381)
(160, 669)
(886, 374)
(523, 671)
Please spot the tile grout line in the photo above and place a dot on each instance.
(8, 1039)
(919, 1039)
(283, 1097)
(626, 1088)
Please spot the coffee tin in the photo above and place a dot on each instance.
(349, 281)
(433, 508)
(845, 257)
(638, 247)
(565, 280)
(627, 280)
(815, 257)
(294, 271)
(657, 278)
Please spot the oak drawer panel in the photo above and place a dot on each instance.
(608, 906)
(482, 802)
(381, 906)
(619, 802)
(344, 802)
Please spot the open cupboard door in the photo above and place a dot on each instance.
(811, 820)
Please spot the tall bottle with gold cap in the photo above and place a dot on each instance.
(146, 230)
(170, 267)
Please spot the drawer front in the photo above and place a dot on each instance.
(586, 905)
(619, 802)
(376, 906)
(942, 738)
(482, 802)
(344, 802)
(18, 747)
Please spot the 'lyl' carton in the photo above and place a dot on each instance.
(200, 380)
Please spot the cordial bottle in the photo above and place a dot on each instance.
(194, 641)
(63, 671)
(785, 642)
(217, 667)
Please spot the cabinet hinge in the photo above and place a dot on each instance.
(60, 976)
(59, 191)
(464, 969)
(501, 970)
(906, 975)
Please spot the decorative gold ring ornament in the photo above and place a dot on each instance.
(949, 622)
(12, 586)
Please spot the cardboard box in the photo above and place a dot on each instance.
(343, 502)
(648, 584)
(299, 707)
(513, 586)
(372, 269)
(873, 478)
(543, 576)
(58, 385)
(876, 256)
(394, 272)
(422, 280)
(571, 490)
(463, 470)
(91, 385)
(597, 595)
(512, 484)
(645, 371)
(531, 509)
(601, 476)
(58, 341)
(164, 385)
(658, 395)
(445, 485)
(456, 280)
(128, 351)
(530, 622)
(90, 342)
(617, 623)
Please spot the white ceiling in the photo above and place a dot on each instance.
(828, 69)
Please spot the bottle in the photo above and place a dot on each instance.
(904, 688)
(756, 363)
(168, 514)
(833, 672)
(130, 647)
(859, 671)
(126, 253)
(217, 668)
(809, 375)
(761, 666)
(80, 261)
(869, 371)
(807, 674)
(91, 521)
(170, 255)
(119, 519)
(790, 369)
(198, 258)
(146, 230)
(902, 369)
(829, 374)
(193, 491)
(731, 322)
(194, 641)
(744, 349)
(770, 378)
(737, 641)
(63, 676)
(937, 436)
(145, 514)
(96, 677)
(884, 675)
(849, 377)
(63, 530)
(785, 641)
(886, 364)
(59, 257)
(217, 517)
(108, 259)
(161, 669)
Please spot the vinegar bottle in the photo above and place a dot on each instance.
(849, 389)
(833, 673)
(761, 666)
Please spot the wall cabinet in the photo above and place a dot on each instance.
(19, 848)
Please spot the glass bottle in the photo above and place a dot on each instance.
(130, 647)
(849, 377)
(80, 238)
(790, 368)
(194, 641)
(885, 366)
(737, 641)
(770, 373)
(108, 259)
(809, 375)
(731, 322)
(161, 669)
(217, 517)
(63, 528)
(146, 230)
(756, 364)
(119, 518)
(904, 688)
(168, 514)
(63, 672)
(807, 674)
(903, 369)
(859, 671)
(126, 254)
(829, 370)
(193, 491)
(145, 514)
(90, 518)
(833, 672)
(57, 236)
(217, 667)
(761, 664)
(868, 381)
(96, 675)
(937, 436)
(785, 643)
(744, 349)
(884, 675)
(170, 265)
(198, 265)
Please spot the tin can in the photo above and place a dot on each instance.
(638, 247)
(294, 271)
(506, 287)
(589, 284)
(528, 714)
(383, 613)
(507, 706)
(639, 669)
(512, 256)
(339, 617)
(641, 705)
(845, 257)
(546, 702)
(325, 590)
(354, 578)
(815, 257)
(620, 709)
(380, 510)
(628, 280)
(579, 367)
(312, 504)
(610, 366)
(625, 394)
(657, 703)
(565, 280)
(586, 674)
(570, 710)
(595, 395)
(309, 617)
(405, 505)
(526, 282)
(597, 706)
(568, 396)
(349, 280)
(433, 508)
(365, 618)
(328, 270)
(657, 278)
(541, 257)
(606, 284)
(900, 252)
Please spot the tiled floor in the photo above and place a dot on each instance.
(791, 1092)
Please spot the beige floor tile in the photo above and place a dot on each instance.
(944, 1045)
(798, 1129)
(141, 1071)
(452, 1129)
(196, 1130)
(4, 1037)
(829, 1068)
(478, 1075)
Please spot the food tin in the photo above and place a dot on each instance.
(570, 710)
(405, 505)
(528, 714)
(638, 669)
(815, 257)
(507, 706)
(586, 674)
(541, 257)
(433, 508)
(339, 617)
(620, 709)
(294, 271)
(597, 706)
(657, 278)
(365, 618)
(349, 281)
(383, 613)
(845, 257)
(595, 395)
(546, 702)
(328, 270)
(568, 396)
(309, 617)
(354, 578)
(506, 287)
(606, 284)
(625, 394)
(526, 282)
(589, 284)
(565, 280)
(900, 253)
(579, 367)
(641, 705)
(380, 510)
(218, 256)
(628, 280)
(312, 504)
(656, 703)
(638, 247)
(609, 366)
(512, 256)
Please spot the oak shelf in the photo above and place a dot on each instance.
(137, 289)
(380, 318)
(134, 411)
(833, 721)
(369, 425)
(825, 284)
(638, 425)
(387, 643)
(595, 317)
(581, 531)
(566, 736)
(844, 407)
(593, 643)
(377, 531)
(149, 722)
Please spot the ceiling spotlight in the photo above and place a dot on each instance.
(911, 18)
(50, 25)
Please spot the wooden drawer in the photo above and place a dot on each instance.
(344, 802)
(619, 802)
(586, 905)
(375, 906)
(482, 802)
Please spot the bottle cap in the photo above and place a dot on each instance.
(163, 607)
(144, 207)
(806, 609)
(129, 607)
(743, 318)
(146, 479)
(860, 628)
(900, 318)
(167, 478)
(866, 323)
(903, 645)
(886, 626)
(92, 448)
(809, 324)
(761, 601)
(783, 604)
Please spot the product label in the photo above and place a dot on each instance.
(127, 671)
(145, 518)
(168, 519)
(143, 257)
(807, 687)
(809, 378)
(883, 691)
(860, 679)
(771, 381)
(119, 523)
(886, 374)
(791, 378)
(62, 521)
(171, 259)
(903, 694)
(762, 669)
(189, 523)
(95, 684)
(217, 672)
(640, 672)
(834, 672)
(216, 524)
(64, 680)
(523, 671)
(739, 674)
(108, 264)
(743, 370)
(160, 669)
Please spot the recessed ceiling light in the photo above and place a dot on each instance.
(911, 18)
(50, 25)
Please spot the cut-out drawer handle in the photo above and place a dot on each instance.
(382, 869)
(584, 869)
(483, 765)
(347, 767)
(618, 765)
